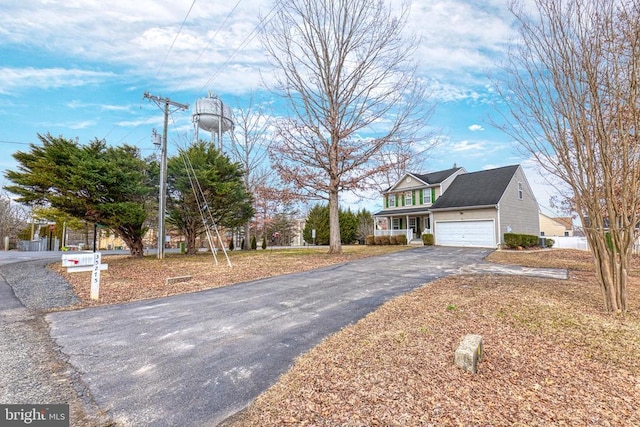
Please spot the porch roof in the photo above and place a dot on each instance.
(405, 211)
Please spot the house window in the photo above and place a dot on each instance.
(408, 199)
(426, 196)
(520, 192)
(392, 200)
(395, 224)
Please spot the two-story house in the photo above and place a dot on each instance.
(460, 208)
(407, 203)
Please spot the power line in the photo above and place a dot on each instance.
(247, 39)
(211, 40)
(175, 38)
(14, 142)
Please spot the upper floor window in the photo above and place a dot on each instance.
(392, 200)
(408, 199)
(520, 192)
(426, 196)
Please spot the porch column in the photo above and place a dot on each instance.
(408, 229)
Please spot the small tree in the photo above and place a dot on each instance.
(254, 243)
(318, 220)
(365, 225)
(264, 242)
(13, 219)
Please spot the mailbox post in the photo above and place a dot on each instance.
(86, 261)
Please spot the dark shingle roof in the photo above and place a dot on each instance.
(484, 188)
(436, 177)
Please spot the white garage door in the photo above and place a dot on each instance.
(465, 233)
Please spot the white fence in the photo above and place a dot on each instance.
(561, 242)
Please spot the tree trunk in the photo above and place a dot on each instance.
(335, 246)
(247, 236)
(191, 248)
(136, 248)
(133, 241)
(612, 271)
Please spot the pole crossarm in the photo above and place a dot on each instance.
(164, 104)
(166, 101)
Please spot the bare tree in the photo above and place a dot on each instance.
(345, 70)
(250, 147)
(13, 219)
(574, 105)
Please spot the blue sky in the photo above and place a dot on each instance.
(79, 69)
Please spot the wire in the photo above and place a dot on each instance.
(175, 38)
(247, 39)
(14, 142)
(210, 41)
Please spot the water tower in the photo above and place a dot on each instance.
(211, 115)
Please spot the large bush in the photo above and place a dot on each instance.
(428, 239)
(514, 240)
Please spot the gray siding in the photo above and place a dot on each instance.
(521, 215)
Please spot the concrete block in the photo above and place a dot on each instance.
(170, 280)
(469, 353)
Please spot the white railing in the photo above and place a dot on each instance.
(408, 233)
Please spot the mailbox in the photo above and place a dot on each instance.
(78, 259)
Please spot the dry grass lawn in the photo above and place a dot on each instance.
(552, 356)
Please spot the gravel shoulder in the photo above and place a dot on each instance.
(32, 369)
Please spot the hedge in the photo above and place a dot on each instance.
(387, 240)
(514, 240)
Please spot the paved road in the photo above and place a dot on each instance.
(196, 359)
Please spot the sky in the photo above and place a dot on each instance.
(79, 69)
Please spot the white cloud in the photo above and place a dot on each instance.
(460, 39)
(475, 128)
(463, 146)
(47, 78)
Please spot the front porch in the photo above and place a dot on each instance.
(413, 224)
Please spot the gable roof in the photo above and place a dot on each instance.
(427, 178)
(564, 221)
(436, 177)
(484, 188)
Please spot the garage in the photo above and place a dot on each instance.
(465, 233)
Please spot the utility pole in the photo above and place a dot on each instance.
(163, 103)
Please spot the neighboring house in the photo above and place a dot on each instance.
(465, 209)
(556, 226)
(407, 202)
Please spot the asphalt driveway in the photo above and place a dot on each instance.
(196, 359)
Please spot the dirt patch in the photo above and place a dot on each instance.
(552, 357)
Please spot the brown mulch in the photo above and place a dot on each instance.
(551, 357)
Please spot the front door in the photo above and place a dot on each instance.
(413, 225)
